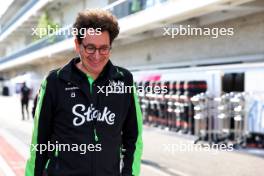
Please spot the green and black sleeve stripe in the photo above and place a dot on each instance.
(41, 132)
(132, 138)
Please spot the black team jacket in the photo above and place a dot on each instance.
(84, 127)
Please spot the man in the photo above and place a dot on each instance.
(25, 93)
(73, 108)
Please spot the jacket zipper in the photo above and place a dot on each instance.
(95, 135)
(47, 163)
(91, 83)
(96, 139)
(56, 157)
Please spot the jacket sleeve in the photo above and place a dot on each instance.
(132, 138)
(41, 132)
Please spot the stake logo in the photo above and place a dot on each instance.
(82, 114)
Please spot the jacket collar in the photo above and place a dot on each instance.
(71, 73)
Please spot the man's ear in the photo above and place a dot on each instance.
(77, 45)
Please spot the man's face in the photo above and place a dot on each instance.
(94, 52)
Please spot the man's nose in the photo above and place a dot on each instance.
(97, 55)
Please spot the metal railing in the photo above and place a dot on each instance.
(120, 9)
(44, 42)
(18, 15)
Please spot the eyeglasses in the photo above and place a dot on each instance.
(90, 49)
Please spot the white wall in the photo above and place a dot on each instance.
(70, 11)
(254, 81)
(15, 45)
(248, 39)
(95, 3)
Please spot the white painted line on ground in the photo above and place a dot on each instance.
(5, 168)
(159, 172)
(20, 147)
(177, 172)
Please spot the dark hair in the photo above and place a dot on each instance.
(96, 19)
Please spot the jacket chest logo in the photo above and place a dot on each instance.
(84, 114)
(72, 90)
